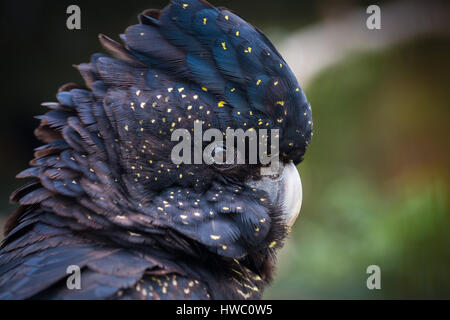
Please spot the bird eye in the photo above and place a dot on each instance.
(219, 158)
(219, 154)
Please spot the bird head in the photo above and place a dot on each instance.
(108, 164)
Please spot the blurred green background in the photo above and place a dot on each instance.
(375, 178)
(376, 181)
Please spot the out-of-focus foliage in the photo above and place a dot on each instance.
(376, 181)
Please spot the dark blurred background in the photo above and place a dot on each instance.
(376, 180)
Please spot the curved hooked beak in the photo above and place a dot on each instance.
(285, 191)
(291, 193)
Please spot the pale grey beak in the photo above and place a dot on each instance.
(285, 190)
(292, 194)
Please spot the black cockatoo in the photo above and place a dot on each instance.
(105, 196)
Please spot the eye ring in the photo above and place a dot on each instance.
(218, 158)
